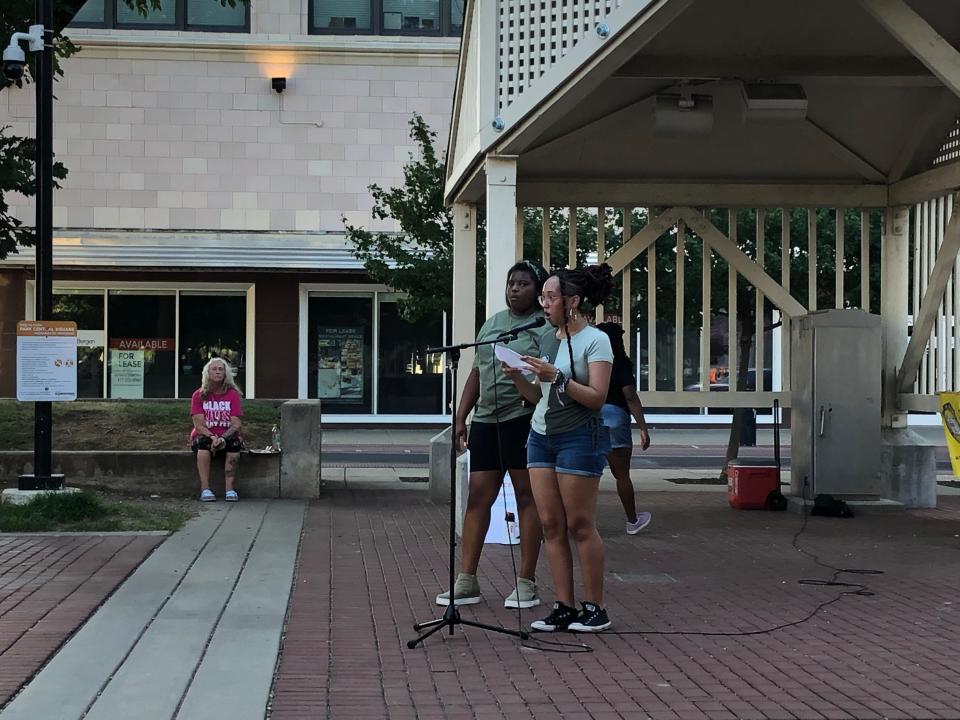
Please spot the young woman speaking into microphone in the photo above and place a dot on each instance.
(568, 443)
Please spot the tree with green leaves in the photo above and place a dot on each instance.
(418, 260)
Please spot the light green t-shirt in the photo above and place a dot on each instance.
(555, 414)
(499, 397)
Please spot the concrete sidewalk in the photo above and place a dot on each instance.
(193, 633)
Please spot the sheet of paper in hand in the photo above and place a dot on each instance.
(510, 357)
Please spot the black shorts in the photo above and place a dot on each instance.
(202, 442)
(485, 452)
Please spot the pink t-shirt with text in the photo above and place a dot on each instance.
(217, 410)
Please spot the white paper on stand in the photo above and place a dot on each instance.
(510, 357)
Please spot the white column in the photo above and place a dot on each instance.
(464, 284)
(501, 226)
(894, 306)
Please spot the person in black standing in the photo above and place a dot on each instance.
(622, 402)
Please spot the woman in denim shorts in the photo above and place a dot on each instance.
(568, 443)
(622, 402)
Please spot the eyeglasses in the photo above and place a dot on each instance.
(546, 300)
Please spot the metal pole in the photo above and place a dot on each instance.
(43, 479)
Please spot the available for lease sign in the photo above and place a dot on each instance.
(46, 360)
(126, 374)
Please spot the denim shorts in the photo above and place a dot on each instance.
(581, 451)
(618, 420)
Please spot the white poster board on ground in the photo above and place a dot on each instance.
(46, 360)
(501, 532)
(498, 533)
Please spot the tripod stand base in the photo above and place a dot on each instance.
(451, 618)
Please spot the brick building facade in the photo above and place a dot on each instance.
(205, 210)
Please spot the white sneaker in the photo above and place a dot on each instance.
(643, 519)
(466, 591)
(524, 595)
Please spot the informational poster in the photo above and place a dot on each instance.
(46, 360)
(340, 364)
(126, 374)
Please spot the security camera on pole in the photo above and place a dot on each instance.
(40, 40)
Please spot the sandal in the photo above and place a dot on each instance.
(231, 496)
(207, 496)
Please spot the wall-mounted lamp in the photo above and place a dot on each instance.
(279, 84)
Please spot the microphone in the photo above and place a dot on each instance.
(538, 321)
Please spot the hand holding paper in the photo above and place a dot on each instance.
(510, 358)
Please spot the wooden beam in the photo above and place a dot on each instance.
(545, 240)
(842, 152)
(839, 252)
(572, 238)
(642, 239)
(602, 255)
(926, 185)
(744, 265)
(919, 37)
(733, 341)
(651, 314)
(812, 259)
(650, 192)
(758, 337)
(918, 403)
(678, 316)
(694, 398)
(930, 305)
(687, 67)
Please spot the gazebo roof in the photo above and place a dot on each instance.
(584, 129)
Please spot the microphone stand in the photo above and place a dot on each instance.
(451, 616)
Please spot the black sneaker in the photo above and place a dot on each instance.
(559, 619)
(592, 618)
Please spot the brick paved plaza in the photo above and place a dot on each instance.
(49, 585)
(372, 562)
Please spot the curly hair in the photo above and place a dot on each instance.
(592, 284)
(228, 381)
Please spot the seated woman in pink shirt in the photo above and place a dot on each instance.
(216, 411)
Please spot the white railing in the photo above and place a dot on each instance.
(677, 364)
(940, 367)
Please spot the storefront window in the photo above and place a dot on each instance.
(85, 308)
(411, 381)
(141, 344)
(340, 353)
(211, 325)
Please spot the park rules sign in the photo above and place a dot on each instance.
(46, 360)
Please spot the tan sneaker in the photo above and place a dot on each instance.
(524, 595)
(466, 591)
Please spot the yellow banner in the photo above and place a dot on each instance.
(950, 416)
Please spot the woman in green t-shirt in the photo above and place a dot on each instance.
(498, 440)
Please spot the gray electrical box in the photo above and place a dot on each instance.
(835, 382)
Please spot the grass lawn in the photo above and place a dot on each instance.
(89, 512)
(125, 424)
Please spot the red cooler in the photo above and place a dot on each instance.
(749, 482)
